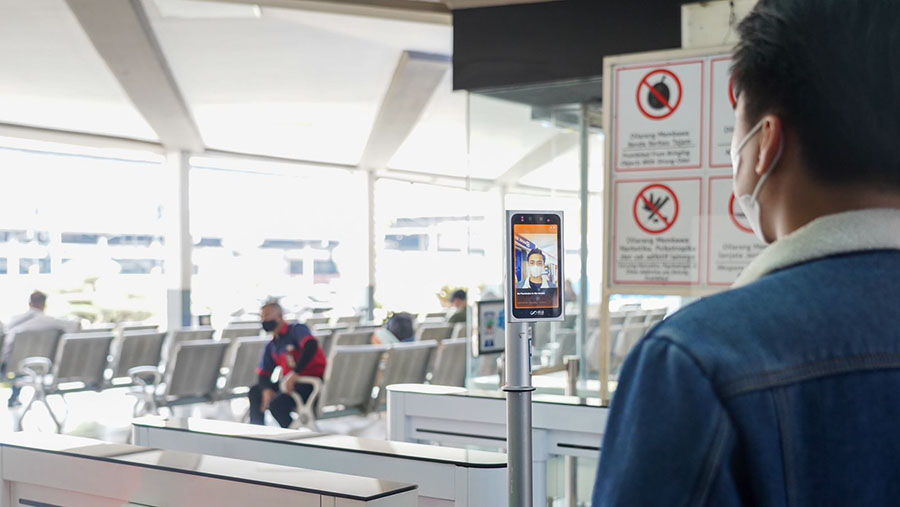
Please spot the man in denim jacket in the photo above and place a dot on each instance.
(785, 390)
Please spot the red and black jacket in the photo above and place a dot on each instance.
(293, 348)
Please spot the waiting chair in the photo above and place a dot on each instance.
(450, 365)
(184, 335)
(81, 360)
(126, 327)
(407, 363)
(350, 338)
(347, 388)
(96, 328)
(435, 317)
(28, 344)
(136, 349)
(242, 330)
(436, 332)
(191, 376)
(617, 318)
(241, 362)
(350, 320)
(317, 321)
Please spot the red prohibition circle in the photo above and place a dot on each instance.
(645, 82)
(731, 97)
(734, 219)
(641, 199)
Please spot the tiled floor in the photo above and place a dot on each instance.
(107, 415)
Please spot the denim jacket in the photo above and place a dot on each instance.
(782, 391)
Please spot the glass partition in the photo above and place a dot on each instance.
(531, 155)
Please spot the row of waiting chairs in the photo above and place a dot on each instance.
(362, 335)
(52, 363)
(188, 367)
(352, 376)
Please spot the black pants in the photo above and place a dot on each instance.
(280, 407)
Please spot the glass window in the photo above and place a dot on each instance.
(281, 230)
(83, 225)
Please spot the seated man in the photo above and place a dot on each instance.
(460, 306)
(297, 353)
(32, 320)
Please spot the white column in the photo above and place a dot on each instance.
(179, 265)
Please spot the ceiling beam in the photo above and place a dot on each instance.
(416, 78)
(121, 33)
(77, 138)
(402, 10)
(540, 155)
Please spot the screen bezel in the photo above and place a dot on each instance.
(534, 218)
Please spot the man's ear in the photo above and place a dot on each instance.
(771, 138)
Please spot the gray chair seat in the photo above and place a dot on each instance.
(79, 365)
(191, 376)
(135, 349)
(348, 384)
(450, 365)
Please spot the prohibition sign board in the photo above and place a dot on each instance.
(657, 99)
(656, 209)
(658, 116)
(738, 217)
(656, 236)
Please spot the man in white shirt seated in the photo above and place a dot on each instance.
(32, 320)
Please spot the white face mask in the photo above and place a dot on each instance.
(536, 271)
(750, 203)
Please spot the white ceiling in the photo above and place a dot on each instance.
(291, 83)
(438, 142)
(51, 76)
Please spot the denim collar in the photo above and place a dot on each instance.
(851, 231)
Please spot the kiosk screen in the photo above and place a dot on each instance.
(537, 266)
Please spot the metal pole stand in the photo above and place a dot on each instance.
(518, 413)
(571, 467)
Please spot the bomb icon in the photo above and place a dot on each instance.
(660, 99)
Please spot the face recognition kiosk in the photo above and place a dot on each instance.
(534, 292)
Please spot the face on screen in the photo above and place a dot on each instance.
(537, 265)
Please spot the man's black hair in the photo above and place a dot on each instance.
(536, 251)
(831, 70)
(459, 294)
(37, 299)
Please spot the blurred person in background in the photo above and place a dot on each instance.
(460, 306)
(297, 353)
(32, 320)
(399, 328)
